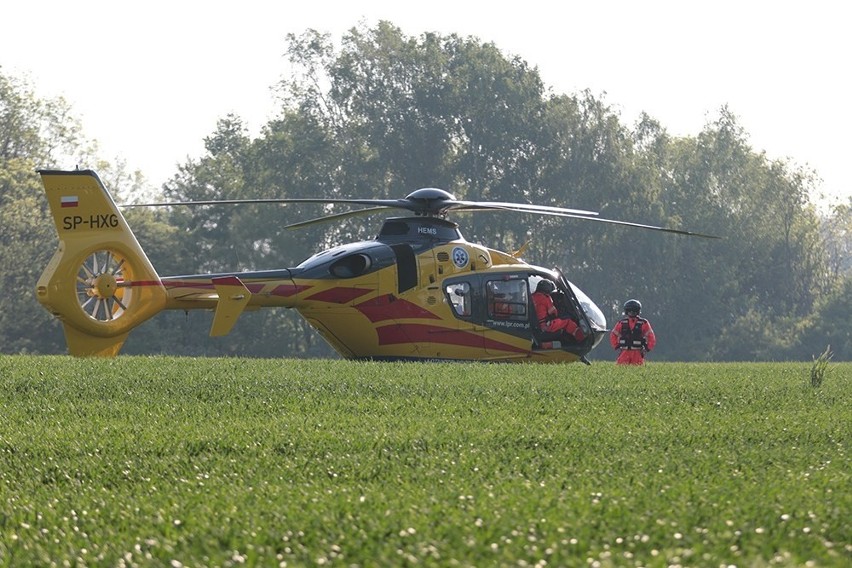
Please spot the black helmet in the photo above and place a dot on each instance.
(632, 307)
(545, 286)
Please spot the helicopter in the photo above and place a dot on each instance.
(418, 291)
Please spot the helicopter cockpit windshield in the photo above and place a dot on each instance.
(593, 312)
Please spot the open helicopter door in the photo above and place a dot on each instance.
(591, 318)
(568, 305)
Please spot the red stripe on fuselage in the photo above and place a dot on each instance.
(339, 295)
(227, 280)
(419, 333)
(187, 284)
(235, 281)
(387, 307)
(253, 288)
(288, 290)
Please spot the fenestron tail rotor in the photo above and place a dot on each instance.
(102, 291)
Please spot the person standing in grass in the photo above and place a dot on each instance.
(632, 336)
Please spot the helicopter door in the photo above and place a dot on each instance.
(464, 298)
(406, 267)
(420, 293)
(507, 309)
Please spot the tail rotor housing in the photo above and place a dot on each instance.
(99, 283)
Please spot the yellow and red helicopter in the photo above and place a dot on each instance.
(418, 291)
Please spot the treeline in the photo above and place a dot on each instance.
(385, 113)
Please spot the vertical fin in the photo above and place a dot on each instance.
(99, 283)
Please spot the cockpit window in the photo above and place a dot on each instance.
(351, 266)
(459, 296)
(507, 299)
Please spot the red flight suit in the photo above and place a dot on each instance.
(546, 313)
(632, 345)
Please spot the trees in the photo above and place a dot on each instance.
(26, 244)
(837, 234)
(42, 133)
(402, 113)
(828, 326)
(32, 131)
(386, 114)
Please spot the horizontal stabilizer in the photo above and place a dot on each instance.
(233, 298)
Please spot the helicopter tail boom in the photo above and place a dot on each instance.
(99, 283)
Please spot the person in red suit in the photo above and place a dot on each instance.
(547, 314)
(632, 336)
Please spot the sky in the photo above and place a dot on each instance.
(149, 80)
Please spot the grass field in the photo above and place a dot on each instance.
(142, 461)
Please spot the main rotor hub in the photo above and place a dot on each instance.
(430, 194)
(430, 201)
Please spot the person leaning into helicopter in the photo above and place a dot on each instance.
(547, 314)
(632, 336)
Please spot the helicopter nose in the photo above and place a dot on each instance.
(597, 321)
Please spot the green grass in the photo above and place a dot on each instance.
(217, 462)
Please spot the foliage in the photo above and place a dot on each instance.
(829, 324)
(27, 241)
(36, 129)
(837, 232)
(32, 131)
(383, 113)
(183, 461)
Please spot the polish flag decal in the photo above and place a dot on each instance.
(69, 201)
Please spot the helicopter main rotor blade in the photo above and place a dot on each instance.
(586, 215)
(436, 203)
(473, 207)
(398, 203)
(519, 207)
(427, 201)
(624, 223)
(650, 227)
(336, 217)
